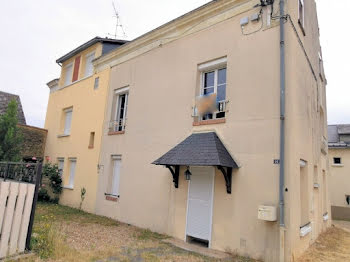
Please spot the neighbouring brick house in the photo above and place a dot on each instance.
(34, 138)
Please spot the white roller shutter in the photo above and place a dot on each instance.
(200, 203)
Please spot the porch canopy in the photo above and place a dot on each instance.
(199, 149)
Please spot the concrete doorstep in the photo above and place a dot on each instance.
(197, 249)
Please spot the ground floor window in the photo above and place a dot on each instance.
(113, 187)
(304, 194)
(72, 168)
(60, 163)
(324, 191)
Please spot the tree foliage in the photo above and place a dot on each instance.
(11, 138)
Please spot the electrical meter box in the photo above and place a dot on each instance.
(267, 213)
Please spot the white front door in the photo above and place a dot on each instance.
(200, 203)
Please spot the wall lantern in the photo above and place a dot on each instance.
(188, 174)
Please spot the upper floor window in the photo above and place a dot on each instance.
(301, 13)
(68, 74)
(321, 69)
(120, 106)
(96, 83)
(337, 161)
(211, 100)
(67, 121)
(214, 84)
(89, 68)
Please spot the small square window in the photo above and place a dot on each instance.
(336, 160)
(97, 81)
(92, 140)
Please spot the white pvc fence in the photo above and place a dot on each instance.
(16, 200)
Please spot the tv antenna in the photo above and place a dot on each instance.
(118, 27)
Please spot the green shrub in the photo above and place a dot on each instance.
(43, 195)
(51, 186)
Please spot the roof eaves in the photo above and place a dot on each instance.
(86, 45)
(103, 59)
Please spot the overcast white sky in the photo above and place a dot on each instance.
(34, 33)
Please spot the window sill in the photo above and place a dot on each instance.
(116, 133)
(63, 135)
(305, 230)
(68, 187)
(77, 81)
(338, 165)
(110, 197)
(90, 147)
(325, 217)
(210, 122)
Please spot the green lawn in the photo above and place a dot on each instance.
(65, 234)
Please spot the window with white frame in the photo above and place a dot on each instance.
(304, 193)
(68, 74)
(121, 107)
(213, 82)
(324, 192)
(115, 176)
(337, 161)
(89, 68)
(301, 8)
(67, 121)
(72, 169)
(60, 163)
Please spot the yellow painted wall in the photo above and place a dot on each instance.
(88, 111)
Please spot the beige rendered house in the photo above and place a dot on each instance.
(215, 129)
(339, 157)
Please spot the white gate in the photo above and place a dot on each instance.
(15, 207)
(19, 184)
(200, 203)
